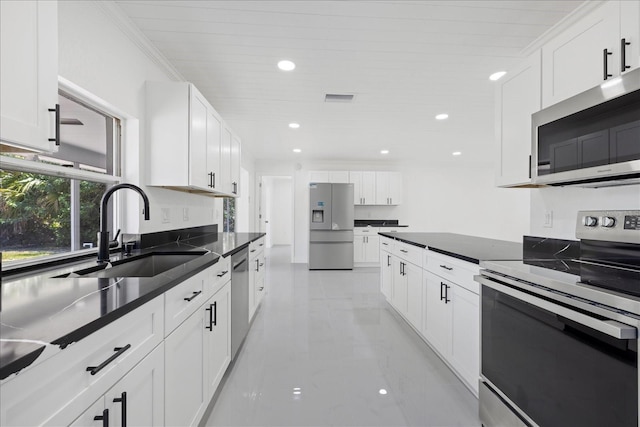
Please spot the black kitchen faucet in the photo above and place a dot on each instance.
(103, 235)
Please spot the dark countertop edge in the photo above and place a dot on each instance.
(382, 226)
(435, 249)
(25, 361)
(454, 255)
(17, 365)
(395, 237)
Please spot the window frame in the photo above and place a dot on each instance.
(127, 122)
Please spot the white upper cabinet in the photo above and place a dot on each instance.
(235, 165)
(517, 98)
(364, 187)
(334, 177)
(214, 135)
(590, 52)
(190, 147)
(388, 188)
(225, 160)
(29, 74)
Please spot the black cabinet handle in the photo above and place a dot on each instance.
(215, 313)
(235, 188)
(222, 273)
(257, 265)
(104, 417)
(446, 268)
(444, 295)
(261, 288)
(623, 55)
(253, 250)
(605, 55)
(123, 401)
(118, 352)
(404, 251)
(388, 260)
(57, 136)
(262, 264)
(195, 294)
(213, 179)
(210, 310)
(261, 244)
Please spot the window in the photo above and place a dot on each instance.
(49, 203)
(229, 215)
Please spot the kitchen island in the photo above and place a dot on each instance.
(428, 278)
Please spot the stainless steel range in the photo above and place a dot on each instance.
(559, 340)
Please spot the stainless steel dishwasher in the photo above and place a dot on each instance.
(239, 299)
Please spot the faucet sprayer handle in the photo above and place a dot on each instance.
(114, 242)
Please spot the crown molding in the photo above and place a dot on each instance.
(128, 28)
(579, 13)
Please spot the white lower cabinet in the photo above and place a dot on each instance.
(366, 248)
(185, 399)
(136, 400)
(197, 354)
(465, 334)
(437, 325)
(257, 267)
(406, 284)
(386, 273)
(217, 338)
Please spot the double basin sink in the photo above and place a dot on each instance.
(148, 265)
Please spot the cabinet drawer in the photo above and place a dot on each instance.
(182, 300)
(365, 231)
(410, 253)
(386, 244)
(256, 246)
(58, 390)
(458, 271)
(220, 273)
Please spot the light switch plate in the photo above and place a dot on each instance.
(185, 214)
(166, 215)
(548, 219)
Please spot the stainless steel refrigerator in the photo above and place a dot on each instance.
(331, 230)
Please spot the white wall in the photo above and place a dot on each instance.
(438, 198)
(565, 202)
(95, 54)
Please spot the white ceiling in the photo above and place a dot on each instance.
(405, 61)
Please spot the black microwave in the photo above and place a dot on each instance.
(591, 139)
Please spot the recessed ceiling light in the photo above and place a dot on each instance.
(294, 125)
(286, 65)
(456, 153)
(297, 150)
(497, 76)
(442, 116)
(384, 151)
(382, 391)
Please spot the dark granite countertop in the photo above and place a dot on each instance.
(381, 223)
(39, 310)
(468, 248)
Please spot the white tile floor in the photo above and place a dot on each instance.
(323, 350)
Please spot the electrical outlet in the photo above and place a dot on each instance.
(185, 214)
(548, 219)
(166, 215)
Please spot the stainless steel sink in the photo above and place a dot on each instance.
(143, 266)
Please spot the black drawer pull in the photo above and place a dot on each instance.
(253, 250)
(261, 244)
(118, 352)
(123, 400)
(262, 264)
(104, 417)
(446, 268)
(222, 273)
(195, 294)
(261, 288)
(404, 251)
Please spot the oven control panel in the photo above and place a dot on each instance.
(609, 225)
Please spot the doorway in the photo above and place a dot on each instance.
(276, 210)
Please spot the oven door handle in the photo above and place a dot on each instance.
(610, 327)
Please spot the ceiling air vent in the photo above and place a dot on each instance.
(335, 97)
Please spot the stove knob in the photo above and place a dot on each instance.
(590, 221)
(608, 221)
